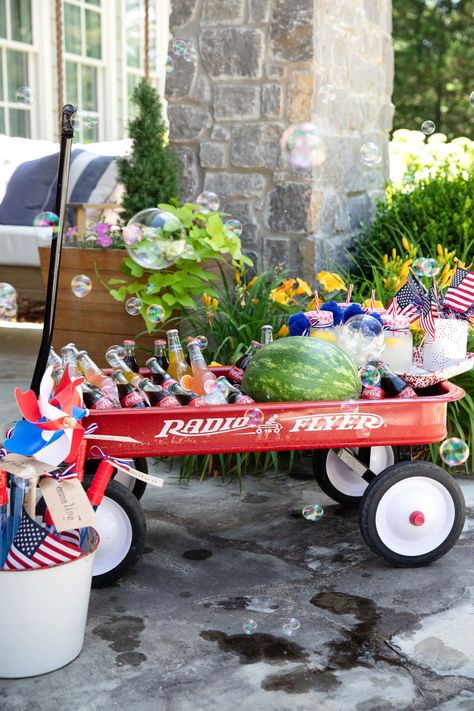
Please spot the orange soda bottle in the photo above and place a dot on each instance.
(177, 363)
(203, 378)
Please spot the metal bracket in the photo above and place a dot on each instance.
(354, 462)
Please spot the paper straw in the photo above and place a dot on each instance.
(372, 300)
(316, 301)
(349, 294)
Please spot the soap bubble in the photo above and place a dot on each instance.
(201, 341)
(210, 386)
(47, 219)
(471, 98)
(313, 512)
(24, 95)
(162, 242)
(249, 626)
(369, 376)
(223, 385)
(209, 201)
(362, 338)
(7, 292)
(190, 55)
(169, 65)
(370, 154)
(81, 285)
(291, 626)
(155, 313)
(454, 451)
(179, 47)
(303, 146)
(432, 268)
(133, 306)
(428, 127)
(131, 234)
(418, 266)
(233, 228)
(327, 93)
(254, 416)
(350, 406)
(152, 288)
(8, 304)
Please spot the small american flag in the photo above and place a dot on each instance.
(428, 314)
(405, 302)
(460, 295)
(34, 547)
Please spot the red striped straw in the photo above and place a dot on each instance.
(349, 294)
(372, 300)
(316, 301)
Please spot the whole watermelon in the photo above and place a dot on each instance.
(300, 368)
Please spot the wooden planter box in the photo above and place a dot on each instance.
(97, 321)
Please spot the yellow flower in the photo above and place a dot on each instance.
(279, 295)
(406, 244)
(206, 300)
(385, 259)
(394, 253)
(251, 282)
(405, 270)
(255, 302)
(215, 304)
(237, 277)
(439, 250)
(415, 325)
(302, 287)
(330, 281)
(214, 364)
(282, 331)
(368, 304)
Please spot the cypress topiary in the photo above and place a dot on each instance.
(151, 173)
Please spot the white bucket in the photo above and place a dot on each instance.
(449, 346)
(43, 615)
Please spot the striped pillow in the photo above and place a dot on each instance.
(92, 178)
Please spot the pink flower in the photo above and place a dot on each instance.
(103, 237)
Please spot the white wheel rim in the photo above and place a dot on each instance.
(392, 518)
(346, 481)
(115, 531)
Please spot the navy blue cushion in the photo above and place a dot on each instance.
(30, 190)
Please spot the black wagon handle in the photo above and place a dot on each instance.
(67, 134)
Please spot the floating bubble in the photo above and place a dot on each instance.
(350, 406)
(313, 512)
(208, 201)
(210, 386)
(432, 268)
(454, 452)
(47, 219)
(201, 341)
(362, 338)
(233, 228)
(8, 311)
(152, 288)
(370, 154)
(169, 65)
(254, 416)
(186, 382)
(428, 127)
(291, 626)
(155, 313)
(179, 47)
(369, 376)
(24, 95)
(418, 266)
(471, 98)
(81, 285)
(163, 239)
(303, 146)
(327, 93)
(222, 384)
(133, 306)
(190, 55)
(7, 292)
(249, 626)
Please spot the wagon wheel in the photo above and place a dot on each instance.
(136, 486)
(121, 527)
(339, 481)
(413, 514)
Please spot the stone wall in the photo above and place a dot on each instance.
(261, 67)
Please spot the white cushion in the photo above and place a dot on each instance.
(19, 244)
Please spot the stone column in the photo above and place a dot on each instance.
(261, 67)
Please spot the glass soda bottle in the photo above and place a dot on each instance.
(266, 335)
(130, 357)
(236, 373)
(95, 376)
(391, 383)
(69, 361)
(160, 353)
(115, 360)
(203, 379)
(129, 395)
(234, 394)
(178, 366)
(159, 376)
(58, 369)
(157, 397)
(185, 397)
(94, 399)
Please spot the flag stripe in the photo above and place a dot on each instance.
(35, 547)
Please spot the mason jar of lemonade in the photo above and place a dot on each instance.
(322, 327)
(398, 341)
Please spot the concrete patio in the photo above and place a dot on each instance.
(170, 635)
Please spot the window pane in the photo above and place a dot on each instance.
(90, 134)
(2, 121)
(93, 2)
(72, 85)
(17, 63)
(3, 19)
(89, 89)
(21, 21)
(1, 75)
(93, 34)
(72, 28)
(19, 122)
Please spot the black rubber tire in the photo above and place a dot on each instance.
(139, 487)
(321, 476)
(134, 512)
(379, 487)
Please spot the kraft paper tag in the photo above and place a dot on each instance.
(68, 504)
(24, 467)
(148, 478)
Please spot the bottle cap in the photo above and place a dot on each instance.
(81, 353)
(129, 343)
(172, 330)
(160, 342)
